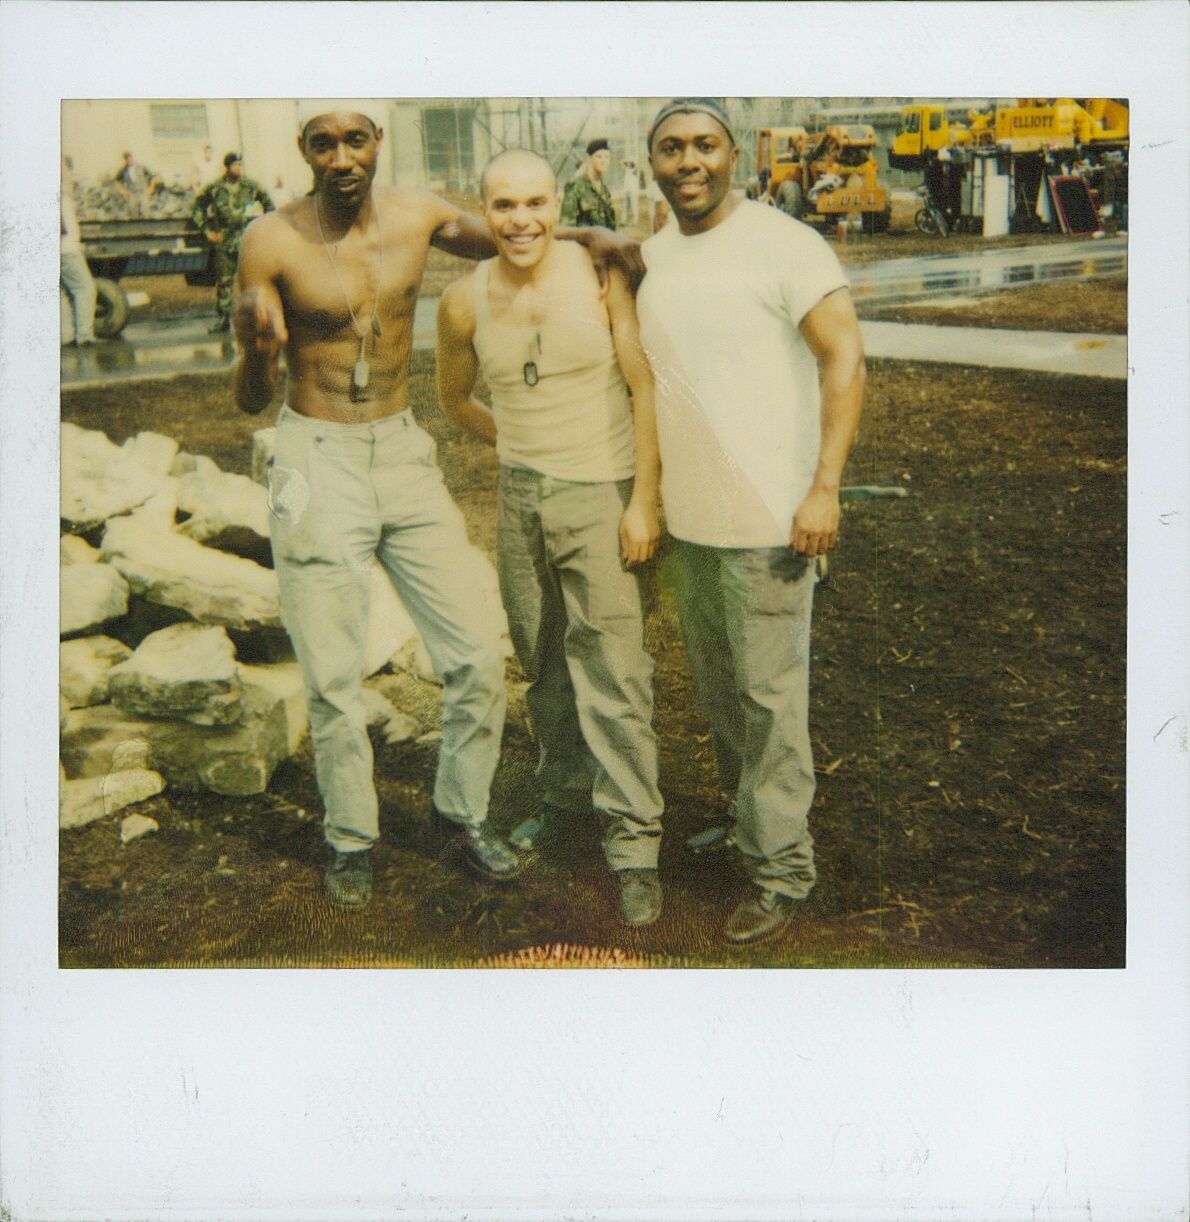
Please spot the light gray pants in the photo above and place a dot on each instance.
(76, 279)
(576, 617)
(746, 619)
(340, 494)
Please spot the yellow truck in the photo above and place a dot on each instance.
(1032, 125)
(828, 175)
(1030, 142)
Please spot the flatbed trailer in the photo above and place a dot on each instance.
(148, 246)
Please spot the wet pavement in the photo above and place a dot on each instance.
(149, 349)
(896, 281)
(160, 348)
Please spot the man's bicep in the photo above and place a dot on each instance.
(621, 311)
(458, 366)
(831, 328)
(258, 266)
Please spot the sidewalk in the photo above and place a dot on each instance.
(1100, 356)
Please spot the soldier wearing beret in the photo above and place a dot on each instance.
(222, 211)
(587, 200)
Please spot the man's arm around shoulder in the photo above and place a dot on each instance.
(831, 330)
(458, 365)
(640, 527)
(259, 316)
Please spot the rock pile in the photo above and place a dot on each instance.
(175, 667)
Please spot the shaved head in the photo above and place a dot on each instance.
(517, 161)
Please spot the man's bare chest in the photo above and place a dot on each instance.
(322, 287)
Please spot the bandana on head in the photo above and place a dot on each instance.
(309, 109)
(688, 106)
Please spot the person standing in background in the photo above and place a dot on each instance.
(74, 274)
(138, 182)
(632, 185)
(587, 200)
(222, 211)
(203, 169)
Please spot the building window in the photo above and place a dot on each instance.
(450, 154)
(179, 120)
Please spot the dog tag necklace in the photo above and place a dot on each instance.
(359, 376)
(529, 371)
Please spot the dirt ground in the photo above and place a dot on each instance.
(1099, 306)
(967, 714)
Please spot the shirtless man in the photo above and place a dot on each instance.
(333, 278)
(578, 487)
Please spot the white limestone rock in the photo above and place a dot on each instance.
(152, 451)
(186, 670)
(83, 666)
(397, 727)
(132, 827)
(132, 753)
(214, 587)
(83, 801)
(89, 595)
(183, 464)
(99, 479)
(264, 446)
(160, 511)
(283, 680)
(219, 502)
(411, 696)
(73, 550)
(390, 628)
(236, 760)
(414, 658)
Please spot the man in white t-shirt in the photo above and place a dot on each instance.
(759, 367)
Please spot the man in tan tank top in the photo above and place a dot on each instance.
(572, 421)
(334, 278)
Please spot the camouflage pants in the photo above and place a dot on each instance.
(227, 258)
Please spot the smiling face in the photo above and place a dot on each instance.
(521, 205)
(693, 160)
(341, 149)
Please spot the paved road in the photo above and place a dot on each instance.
(149, 349)
(153, 349)
(1100, 356)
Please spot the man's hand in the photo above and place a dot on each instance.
(213, 237)
(816, 523)
(640, 532)
(608, 250)
(260, 325)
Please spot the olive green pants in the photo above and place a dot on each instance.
(746, 618)
(575, 614)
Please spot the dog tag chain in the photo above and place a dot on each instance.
(530, 369)
(362, 370)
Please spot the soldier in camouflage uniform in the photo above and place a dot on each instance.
(222, 211)
(587, 200)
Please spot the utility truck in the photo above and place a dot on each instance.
(825, 176)
(1080, 145)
